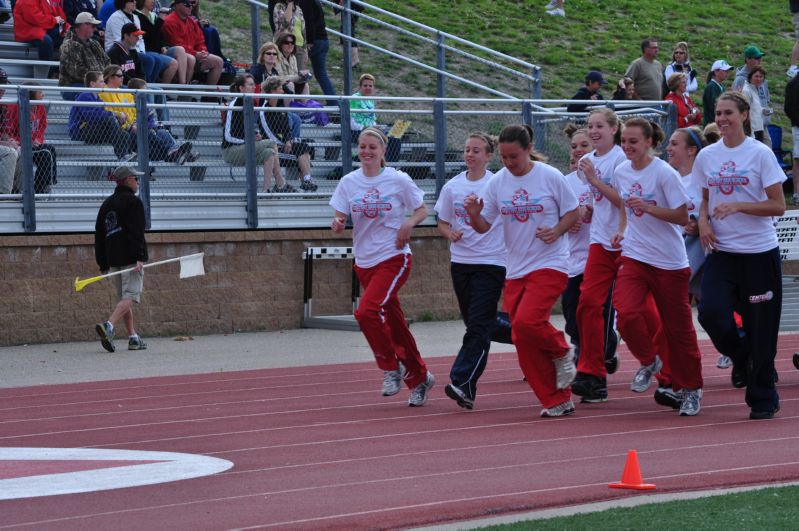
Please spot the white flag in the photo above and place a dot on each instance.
(192, 265)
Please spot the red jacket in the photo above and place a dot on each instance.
(38, 123)
(32, 19)
(186, 33)
(684, 106)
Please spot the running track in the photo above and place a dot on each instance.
(317, 447)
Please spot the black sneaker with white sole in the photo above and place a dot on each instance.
(591, 389)
(459, 396)
(666, 396)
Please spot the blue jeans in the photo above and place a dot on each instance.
(295, 123)
(478, 288)
(50, 41)
(318, 56)
(160, 143)
(153, 64)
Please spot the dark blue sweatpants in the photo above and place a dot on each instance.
(750, 284)
(478, 288)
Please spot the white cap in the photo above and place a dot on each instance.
(86, 17)
(721, 64)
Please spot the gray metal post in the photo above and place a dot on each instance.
(26, 146)
(441, 64)
(346, 137)
(670, 126)
(527, 113)
(440, 136)
(143, 149)
(252, 171)
(255, 31)
(346, 29)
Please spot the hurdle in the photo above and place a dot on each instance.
(329, 322)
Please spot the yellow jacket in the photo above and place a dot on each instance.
(120, 97)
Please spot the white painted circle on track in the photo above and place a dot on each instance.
(121, 472)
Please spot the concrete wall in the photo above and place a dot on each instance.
(253, 281)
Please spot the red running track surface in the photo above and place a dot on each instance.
(318, 447)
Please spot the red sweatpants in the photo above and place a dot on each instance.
(382, 321)
(600, 273)
(529, 302)
(669, 289)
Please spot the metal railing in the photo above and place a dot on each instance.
(209, 193)
(529, 73)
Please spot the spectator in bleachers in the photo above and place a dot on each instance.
(80, 54)
(647, 72)
(124, 54)
(72, 8)
(180, 29)
(9, 149)
(791, 108)
(96, 125)
(276, 127)
(688, 113)
(157, 66)
(593, 82)
(626, 90)
(289, 19)
(43, 154)
(163, 145)
(681, 62)
(754, 80)
(271, 13)
(361, 120)
(717, 75)
(266, 66)
(287, 65)
(752, 59)
(210, 34)
(233, 148)
(41, 23)
(155, 41)
(105, 11)
(317, 44)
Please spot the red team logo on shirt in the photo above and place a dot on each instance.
(521, 206)
(594, 190)
(461, 215)
(728, 178)
(637, 191)
(371, 205)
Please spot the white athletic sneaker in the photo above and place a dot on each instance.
(556, 12)
(391, 383)
(643, 378)
(792, 71)
(724, 362)
(419, 393)
(565, 371)
(563, 409)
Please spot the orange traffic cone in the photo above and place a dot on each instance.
(631, 477)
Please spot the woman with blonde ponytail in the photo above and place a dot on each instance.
(377, 199)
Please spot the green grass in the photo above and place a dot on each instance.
(773, 508)
(596, 34)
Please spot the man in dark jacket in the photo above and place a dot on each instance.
(593, 82)
(119, 244)
(791, 108)
(123, 53)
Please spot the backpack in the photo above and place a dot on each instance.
(318, 118)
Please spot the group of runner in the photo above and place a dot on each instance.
(624, 230)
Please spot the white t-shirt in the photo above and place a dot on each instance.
(694, 190)
(538, 199)
(473, 247)
(606, 216)
(739, 174)
(378, 206)
(647, 238)
(578, 241)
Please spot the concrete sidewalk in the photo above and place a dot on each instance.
(57, 363)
